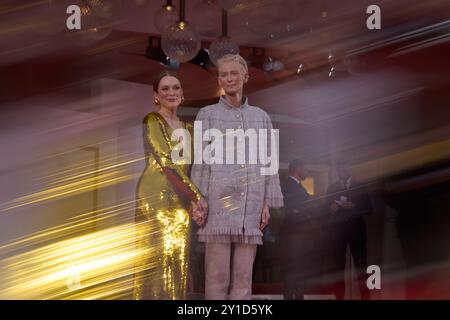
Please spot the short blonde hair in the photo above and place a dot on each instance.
(234, 58)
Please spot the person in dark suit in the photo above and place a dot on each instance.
(297, 235)
(347, 203)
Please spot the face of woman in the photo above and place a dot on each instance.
(231, 77)
(169, 93)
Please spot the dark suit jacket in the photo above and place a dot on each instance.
(296, 205)
(299, 233)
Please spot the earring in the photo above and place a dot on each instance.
(182, 99)
(156, 101)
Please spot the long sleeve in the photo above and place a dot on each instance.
(200, 172)
(159, 142)
(272, 192)
(290, 196)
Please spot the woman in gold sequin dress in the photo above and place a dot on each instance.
(164, 194)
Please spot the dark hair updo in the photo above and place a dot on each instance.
(162, 74)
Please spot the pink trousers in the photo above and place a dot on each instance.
(229, 270)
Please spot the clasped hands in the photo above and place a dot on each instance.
(199, 211)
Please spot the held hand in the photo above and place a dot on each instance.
(265, 216)
(199, 211)
(203, 206)
(197, 215)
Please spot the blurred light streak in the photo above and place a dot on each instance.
(91, 266)
(88, 163)
(84, 185)
(422, 45)
(405, 160)
(402, 37)
(76, 183)
(80, 223)
(10, 9)
(372, 104)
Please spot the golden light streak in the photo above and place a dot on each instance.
(93, 266)
(77, 224)
(404, 160)
(84, 185)
(88, 164)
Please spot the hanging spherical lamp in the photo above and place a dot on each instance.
(93, 27)
(180, 41)
(165, 17)
(222, 45)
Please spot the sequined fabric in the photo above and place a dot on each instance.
(162, 219)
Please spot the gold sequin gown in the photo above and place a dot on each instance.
(164, 192)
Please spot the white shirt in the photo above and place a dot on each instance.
(295, 179)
